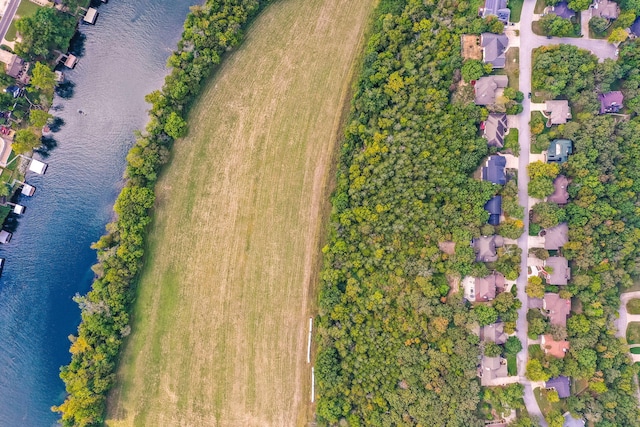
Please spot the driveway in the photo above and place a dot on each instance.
(625, 317)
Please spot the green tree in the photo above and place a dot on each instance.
(554, 418)
(513, 345)
(599, 25)
(176, 126)
(579, 5)
(548, 214)
(552, 396)
(25, 140)
(553, 25)
(618, 35)
(535, 371)
(44, 32)
(535, 288)
(492, 349)
(43, 78)
(511, 228)
(38, 118)
(485, 314)
(472, 69)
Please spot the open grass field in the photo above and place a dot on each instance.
(633, 306)
(221, 316)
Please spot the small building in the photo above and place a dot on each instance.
(560, 384)
(556, 237)
(488, 88)
(485, 248)
(18, 209)
(497, 8)
(557, 112)
(494, 332)
(611, 102)
(635, 27)
(91, 16)
(493, 171)
(606, 9)
(557, 308)
(560, 272)
(28, 190)
(5, 236)
(554, 348)
(494, 207)
(560, 195)
(38, 167)
(494, 47)
(559, 150)
(70, 61)
(14, 91)
(492, 368)
(562, 10)
(495, 128)
(59, 76)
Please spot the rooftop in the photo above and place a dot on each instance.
(556, 237)
(492, 368)
(497, 8)
(560, 384)
(560, 194)
(557, 308)
(493, 171)
(494, 207)
(559, 150)
(495, 332)
(485, 248)
(494, 129)
(561, 273)
(558, 112)
(494, 47)
(485, 287)
(605, 9)
(563, 11)
(486, 89)
(635, 27)
(554, 348)
(611, 102)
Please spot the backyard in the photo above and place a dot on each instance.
(26, 8)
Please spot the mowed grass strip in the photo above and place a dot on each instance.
(221, 316)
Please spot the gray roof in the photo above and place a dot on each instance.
(559, 150)
(556, 237)
(561, 272)
(15, 68)
(485, 248)
(495, 333)
(486, 88)
(606, 9)
(561, 385)
(611, 102)
(497, 8)
(494, 48)
(557, 308)
(563, 11)
(492, 368)
(493, 171)
(485, 287)
(494, 129)
(560, 194)
(558, 111)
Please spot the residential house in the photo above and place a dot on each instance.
(560, 384)
(493, 171)
(488, 88)
(497, 8)
(557, 112)
(485, 248)
(492, 368)
(635, 27)
(606, 9)
(494, 207)
(494, 332)
(559, 150)
(562, 10)
(560, 272)
(14, 91)
(485, 287)
(554, 348)
(611, 102)
(494, 129)
(556, 237)
(560, 194)
(557, 308)
(494, 47)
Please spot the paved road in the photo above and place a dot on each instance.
(625, 317)
(8, 17)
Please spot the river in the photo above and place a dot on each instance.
(49, 258)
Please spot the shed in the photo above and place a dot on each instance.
(560, 384)
(493, 171)
(18, 209)
(494, 207)
(28, 190)
(5, 236)
(91, 16)
(38, 167)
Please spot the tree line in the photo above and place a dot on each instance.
(210, 30)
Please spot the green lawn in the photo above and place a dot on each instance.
(633, 333)
(545, 405)
(535, 351)
(511, 142)
(512, 364)
(635, 350)
(26, 8)
(516, 9)
(540, 5)
(633, 306)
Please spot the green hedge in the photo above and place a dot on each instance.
(210, 30)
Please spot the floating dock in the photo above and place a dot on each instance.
(38, 167)
(18, 209)
(91, 16)
(28, 190)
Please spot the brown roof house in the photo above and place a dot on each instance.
(560, 194)
(493, 368)
(485, 248)
(556, 237)
(559, 272)
(557, 308)
(557, 112)
(606, 9)
(494, 47)
(488, 88)
(554, 348)
(495, 127)
(18, 69)
(485, 287)
(495, 332)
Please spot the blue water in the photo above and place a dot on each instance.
(49, 258)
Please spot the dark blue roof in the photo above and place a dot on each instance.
(635, 27)
(563, 11)
(494, 219)
(494, 205)
(494, 170)
(561, 384)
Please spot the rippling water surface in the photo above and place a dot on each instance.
(49, 259)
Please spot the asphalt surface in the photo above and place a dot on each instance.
(8, 17)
